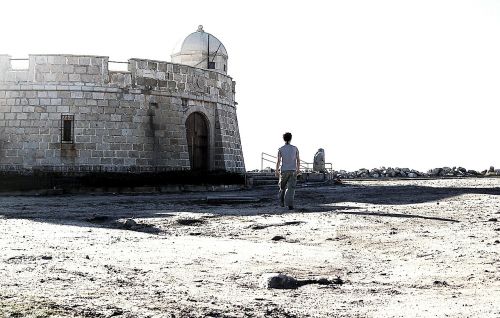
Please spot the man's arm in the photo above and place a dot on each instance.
(277, 172)
(298, 162)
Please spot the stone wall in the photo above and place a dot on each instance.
(68, 68)
(123, 121)
(229, 155)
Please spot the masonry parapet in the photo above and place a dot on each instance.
(183, 79)
(144, 74)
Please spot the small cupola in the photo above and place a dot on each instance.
(201, 49)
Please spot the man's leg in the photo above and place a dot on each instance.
(282, 184)
(290, 189)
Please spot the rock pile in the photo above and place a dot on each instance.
(383, 172)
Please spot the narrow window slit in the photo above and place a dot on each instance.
(67, 129)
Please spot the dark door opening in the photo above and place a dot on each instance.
(197, 139)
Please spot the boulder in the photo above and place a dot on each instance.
(435, 171)
(279, 281)
(130, 224)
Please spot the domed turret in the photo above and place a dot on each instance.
(201, 49)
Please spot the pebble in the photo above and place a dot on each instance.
(440, 283)
(278, 238)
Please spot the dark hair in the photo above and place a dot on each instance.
(287, 137)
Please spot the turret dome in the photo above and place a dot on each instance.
(201, 49)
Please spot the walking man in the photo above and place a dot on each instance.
(288, 157)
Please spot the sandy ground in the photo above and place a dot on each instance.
(403, 249)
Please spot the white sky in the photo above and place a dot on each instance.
(375, 83)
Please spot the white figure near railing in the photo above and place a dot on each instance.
(319, 161)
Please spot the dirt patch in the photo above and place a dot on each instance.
(398, 247)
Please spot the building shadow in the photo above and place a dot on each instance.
(390, 195)
(112, 211)
(397, 215)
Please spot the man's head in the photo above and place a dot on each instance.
(287, 137)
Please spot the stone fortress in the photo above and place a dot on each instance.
(69, 113)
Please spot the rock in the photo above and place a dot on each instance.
(282, 281)
(493, 220)
(116, 312)
(434, 172)
(490, 172)
(278, 238)
(492, 169)
(45, 257)
(190, 221)
(412, 175)
(129, 223)
(440, 283)
(279, 281)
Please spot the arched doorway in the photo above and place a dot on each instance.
(197, 139)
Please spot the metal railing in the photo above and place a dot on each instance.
(304, 166)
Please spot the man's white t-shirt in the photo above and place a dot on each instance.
(289, 155)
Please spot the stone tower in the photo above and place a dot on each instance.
(71, 113)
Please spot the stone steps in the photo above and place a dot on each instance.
(260, 179)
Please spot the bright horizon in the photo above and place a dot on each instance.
(375, 83)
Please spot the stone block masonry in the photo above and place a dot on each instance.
(70, 113)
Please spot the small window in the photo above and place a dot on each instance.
(224, 67)
(211, 65)
(67, 129)
(184, 102)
